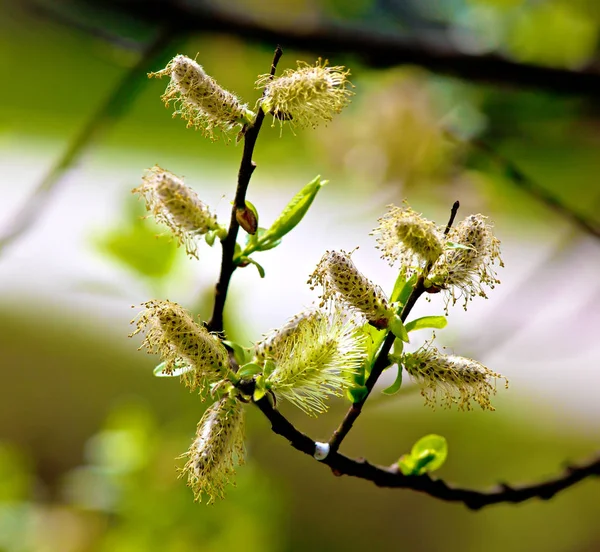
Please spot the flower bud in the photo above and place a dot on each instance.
(340, 279)
(315, 355)
(463, 271)
(306, 96)
(172, 333)
(177, 206)
(217, 448)
(405, 236)
(456, 380)
(199, 99)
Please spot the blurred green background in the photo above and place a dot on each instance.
(89, 440)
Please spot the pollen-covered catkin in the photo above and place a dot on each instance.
(199, 99)
(406, 236)
(271, 345)
(451, 379)
(315, 358)
(177, 206)
(217, 448)
(341, 280)
(464, 271)
(172, 333)
(306, 96)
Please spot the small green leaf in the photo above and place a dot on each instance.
(406, 290)
(395, 387)
(398, 329)
(258, 394)
(294, 211)
(238, 352)
(357, 394)
(249, 370)
(436, 322)
(406, 464)
(180, 368)
(429, 453)
(454, 245)
(260, 269)
(398, 287)
(260, 390)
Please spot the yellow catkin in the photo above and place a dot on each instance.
(341, 280)
(315, 358)
(172, 333)
(467, 271)
(199, 100)
(306, 96)
(451, 379)
(177, 206)
(404, 235)
(216, 449)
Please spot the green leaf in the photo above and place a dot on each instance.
(395, 387)
(238, 352)
(294, 212)
(260, 269)
(428, 454)
(357, 394)
(406, 464)
(180, 368)
(436, 322)
(398, 329)
(454, 245)
(398, 287)
(249, 370)
(260, 390)
(406, 290)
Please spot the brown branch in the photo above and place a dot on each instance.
(103, 118)
(391, 477)
(382, 362)
(432, 50)
(247, 167)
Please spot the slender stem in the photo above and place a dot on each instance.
(247, 167)
(117, 102)
(391, 477)
(382, 362)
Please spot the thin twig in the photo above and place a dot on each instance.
(391, 477)
(247, 167)
(105, 116)
(382, 362)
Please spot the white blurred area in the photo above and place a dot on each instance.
(539, 328)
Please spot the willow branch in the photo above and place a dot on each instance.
(382, 362)
(247, 167)
(391, 477)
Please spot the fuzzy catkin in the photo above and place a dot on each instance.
(306, 96)
(177, 206)
(216, 449)
(315, 358)
(466, 271)
(406, 236)
(199, 99)
(451, 379)
(172, 333)
(341, 280)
